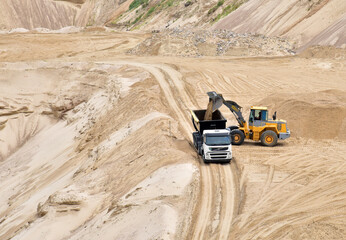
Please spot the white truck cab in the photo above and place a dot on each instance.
(212, 139)
(217, 145)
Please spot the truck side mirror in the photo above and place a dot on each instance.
(251, 119)
(274, 116)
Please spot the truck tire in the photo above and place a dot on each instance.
(237, 137)
(204, 160)
(269, 138)
(200, 151)
(195, 141)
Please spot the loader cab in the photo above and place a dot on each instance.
(258, 115)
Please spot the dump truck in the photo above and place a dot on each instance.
(212, 140)
(259, 127)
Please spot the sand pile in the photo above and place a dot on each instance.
(319, 115)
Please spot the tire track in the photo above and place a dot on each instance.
(175, 92)
(205, 205)
(228, 201)
(223, 172)
(207, 181)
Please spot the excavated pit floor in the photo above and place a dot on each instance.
(95, 138)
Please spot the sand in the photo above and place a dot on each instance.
(308, 23)
(102, 146)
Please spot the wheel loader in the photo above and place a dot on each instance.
(259, 128)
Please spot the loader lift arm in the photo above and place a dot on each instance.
(236, 110)
(218, 100)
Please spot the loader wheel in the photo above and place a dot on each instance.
(237, 137)
(269, 138)
(233, 127)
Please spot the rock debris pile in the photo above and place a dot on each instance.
(189, 43)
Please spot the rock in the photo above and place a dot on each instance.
(42, 209)
(65, 199)
(188, 3)
(186, 43)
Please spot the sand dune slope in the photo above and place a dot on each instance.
(303, 21)
(51, 14)
(31, 14)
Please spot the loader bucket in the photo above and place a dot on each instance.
(216, 99)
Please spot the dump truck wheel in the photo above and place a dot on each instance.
(200, 150)
(195, 143)
(205, 160)
(269, 138)
(237, 137)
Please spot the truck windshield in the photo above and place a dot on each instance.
(218, 140)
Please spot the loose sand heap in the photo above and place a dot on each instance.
(96, 143)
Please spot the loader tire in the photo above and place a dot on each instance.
(269, 138)
(233, 127)
(237, 137)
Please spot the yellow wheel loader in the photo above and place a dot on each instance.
(259, 128)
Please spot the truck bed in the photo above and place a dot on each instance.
(218, 121)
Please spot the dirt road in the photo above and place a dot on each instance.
(216, 180)
(294, 189)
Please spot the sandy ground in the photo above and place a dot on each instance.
(97, 143)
